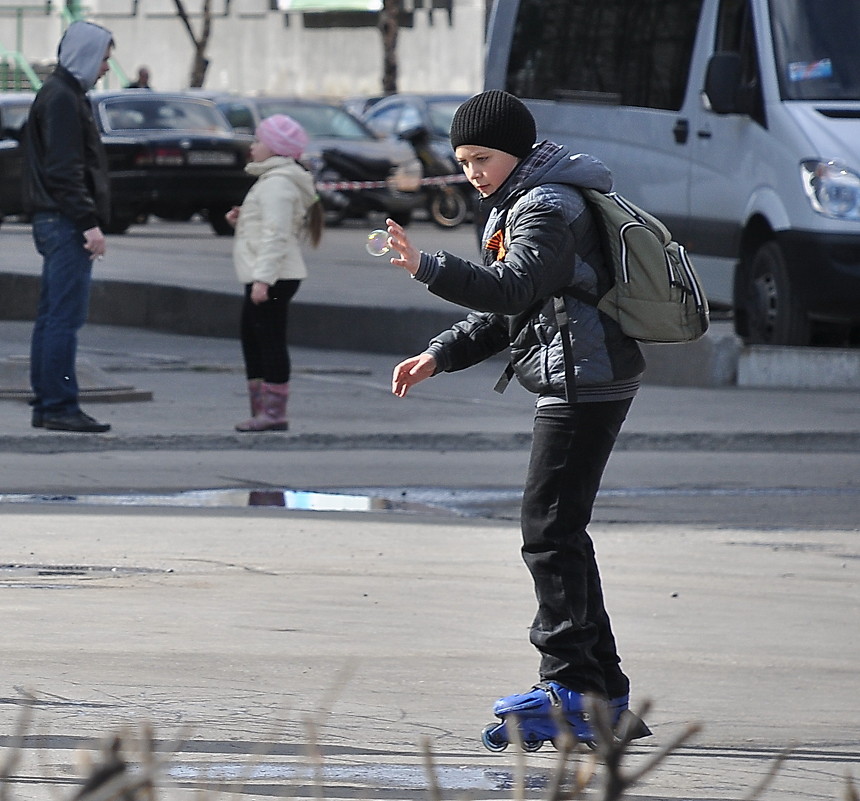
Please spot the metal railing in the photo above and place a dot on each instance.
(16, 72)
(21, 69)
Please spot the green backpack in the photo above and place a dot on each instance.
(657, 296)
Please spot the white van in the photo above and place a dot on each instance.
(737, 122)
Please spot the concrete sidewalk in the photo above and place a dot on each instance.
(234, 630)
(343, 397)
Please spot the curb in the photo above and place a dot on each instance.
(199, 312)
(719, 359)
(373, 329)
(743, 442)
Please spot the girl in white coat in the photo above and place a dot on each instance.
(280, 207)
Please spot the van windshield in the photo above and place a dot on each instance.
(816, 49)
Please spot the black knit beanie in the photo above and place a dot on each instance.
(495, 119)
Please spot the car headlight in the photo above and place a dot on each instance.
(832, 188)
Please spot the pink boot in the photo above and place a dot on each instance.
(255, 396)
(272, 415)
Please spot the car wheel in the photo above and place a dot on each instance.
(218, 223)
(773, 313)
(448, 207)
(119, 223)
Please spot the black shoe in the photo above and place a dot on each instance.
(38, 419)
(74, 421)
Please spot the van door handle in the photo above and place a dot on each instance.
(705, 134)
(681, 131)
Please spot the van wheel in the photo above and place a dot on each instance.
(774, 315)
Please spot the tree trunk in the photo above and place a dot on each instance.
(389, 26)
(201, 42)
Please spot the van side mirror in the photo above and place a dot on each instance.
(722, 82)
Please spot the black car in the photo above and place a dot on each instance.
(14, 108)
(172, 156)
(341, 148)
(168, 154)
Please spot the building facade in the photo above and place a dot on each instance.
(265, 46)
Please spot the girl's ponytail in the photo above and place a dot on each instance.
(315, 222)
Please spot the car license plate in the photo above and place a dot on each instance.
(211, 157)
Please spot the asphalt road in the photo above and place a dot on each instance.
(313, 654)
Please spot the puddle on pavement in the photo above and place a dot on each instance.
(500, 503)
(390, 776)
(287, 499)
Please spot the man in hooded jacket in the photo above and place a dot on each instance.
(67, 194)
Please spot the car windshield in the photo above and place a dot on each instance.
(120, 114)
(815, 43)
(321, 121)
(441, 113)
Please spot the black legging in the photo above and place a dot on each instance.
(263, 331)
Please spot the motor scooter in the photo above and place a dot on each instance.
(449, 199)
(352, 185)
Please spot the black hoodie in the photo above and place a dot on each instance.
(66, 163)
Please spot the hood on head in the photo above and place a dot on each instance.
(82, 50)
(551, 163)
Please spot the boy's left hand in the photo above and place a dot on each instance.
(410, 256)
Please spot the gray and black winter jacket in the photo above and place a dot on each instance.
(539, 239)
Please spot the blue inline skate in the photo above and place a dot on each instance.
(537, 715)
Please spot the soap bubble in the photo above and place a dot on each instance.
(377, 242)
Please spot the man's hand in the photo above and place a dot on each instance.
(94, 242)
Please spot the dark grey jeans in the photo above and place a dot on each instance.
(571, 630)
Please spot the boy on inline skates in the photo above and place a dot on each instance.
(539, 245)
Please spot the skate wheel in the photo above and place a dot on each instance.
(532, 745)
(490, 743)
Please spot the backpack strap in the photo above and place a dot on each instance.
(563, 322)
(583, 295)
(504, 378)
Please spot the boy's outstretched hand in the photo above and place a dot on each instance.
(410, 256)
(412, 371)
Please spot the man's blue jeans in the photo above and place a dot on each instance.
(63, 306)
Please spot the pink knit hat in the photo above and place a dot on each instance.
(282, 135)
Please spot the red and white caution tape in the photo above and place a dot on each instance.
(436, 180)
